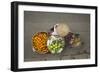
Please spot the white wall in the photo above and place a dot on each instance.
(5, 35)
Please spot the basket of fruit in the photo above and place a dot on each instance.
(55, 44)
(39, 42)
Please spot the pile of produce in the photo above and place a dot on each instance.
(55, 40)
(39, 41)
(73, 39)
(55, 44)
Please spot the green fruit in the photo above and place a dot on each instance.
(56, 44)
